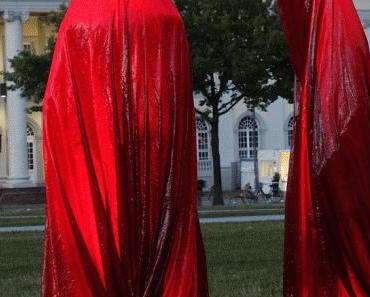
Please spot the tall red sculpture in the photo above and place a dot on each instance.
(327, 236)
(120, 155)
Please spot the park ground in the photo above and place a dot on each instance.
(244, 259)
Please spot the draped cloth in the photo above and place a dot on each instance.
(120, 165)
(327, 235)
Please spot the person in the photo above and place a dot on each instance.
(120, 156)
(247, 193)
(211, 192)
(201, 185)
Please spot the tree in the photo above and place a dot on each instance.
(274, 54)
(30, 70)
(238, 54)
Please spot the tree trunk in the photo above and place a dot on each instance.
(255, 153)
(215, 144)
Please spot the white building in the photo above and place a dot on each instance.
(274, 138)
(20, 147)
(274, 128)
(21, 162)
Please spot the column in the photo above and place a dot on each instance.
(365, 18)
(16, 106)
(367, 31)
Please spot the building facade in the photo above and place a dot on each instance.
(20, 141)
(21, 162)
(271, 131)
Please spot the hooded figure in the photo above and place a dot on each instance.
(327, 224)
(120, 156)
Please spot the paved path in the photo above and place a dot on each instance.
(21, 217)
(200, 212)
(241, 219)
(22, 229)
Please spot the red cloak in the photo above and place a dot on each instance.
(327, 235)
(120, 155)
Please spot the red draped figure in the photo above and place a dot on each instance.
(327, 236)
(120, 155)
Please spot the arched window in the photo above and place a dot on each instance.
(290, 131)
(248, 138)
(202, 140)
(30, 147)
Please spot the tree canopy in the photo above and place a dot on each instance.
(238, 55)
(238, 48)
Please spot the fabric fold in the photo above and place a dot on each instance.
(327, 242)
(119, 145)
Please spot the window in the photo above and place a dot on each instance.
(28, 47)
(30, 147)
(202, 140)
(30, 131)
(267, 168)
(290, 131)
(248, 138)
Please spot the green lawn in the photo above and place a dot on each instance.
(27, 221)
(20, 256)
(241, 212)
(40, 220)
(21, 217)
(40, 210)
(21, 212)
(244, 206)
(244, 259)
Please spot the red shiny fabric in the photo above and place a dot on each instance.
(327, 236)
(120, 156)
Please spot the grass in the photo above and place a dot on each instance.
(244, 259)
(21, 212)
(251, 212)
(39, 211)
(20, 261)
(243, 207)
(26, 221)
(24, 210)
(36, 216)
(40, 220)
